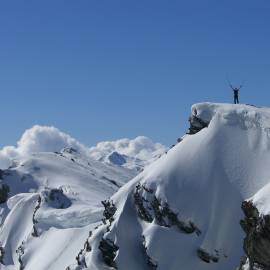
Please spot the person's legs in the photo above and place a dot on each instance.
(237, 100)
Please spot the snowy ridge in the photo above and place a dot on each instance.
(184, 209)
(54, 200)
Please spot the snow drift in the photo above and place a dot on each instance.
(184, 210)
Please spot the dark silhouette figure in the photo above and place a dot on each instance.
(236, 93)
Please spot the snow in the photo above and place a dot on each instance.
(137, 152)
(204, 179)
(84, 183)
(262, 200)
(133, 154)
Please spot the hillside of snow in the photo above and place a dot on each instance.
(184, 210)
(51, 198)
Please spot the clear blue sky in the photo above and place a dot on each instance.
(102, 70)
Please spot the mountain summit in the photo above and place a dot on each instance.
(184, 210)
(203, 205)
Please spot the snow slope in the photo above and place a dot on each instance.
(183, 211)
(54, 201)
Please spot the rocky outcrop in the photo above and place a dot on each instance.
(196, 125)
(109, 251)
(4, 191)
(106, 246)
(20, 253)
(34, 220)
(55, 198)
(2, 255)
(109, 211)
(150, 208)
(69, 150)
(257, 240)
(150, 261)
(207, 257)
(142, 211)
(117, 159)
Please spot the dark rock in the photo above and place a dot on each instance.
(143, 213)
(196, 125)
(149, 190)
(69, 150)
(87, 246)
(20, 253)
(150, 262)
(206, 256)
(173, 220)
(56, 198)
(158, 212)
(34, 220)
(109, 210)
(153, 208)
(4, 191)
(2, 255)
(80, 259)
(108, 250)
(257, 240)
(117, 159)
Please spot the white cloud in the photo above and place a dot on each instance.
(141, 147)
(39, 139)
(50, 139)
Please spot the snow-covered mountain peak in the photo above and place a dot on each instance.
(245, 116)
(184, 209)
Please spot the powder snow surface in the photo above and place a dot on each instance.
(62, 230)
(204, 179)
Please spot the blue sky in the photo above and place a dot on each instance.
(103, 70)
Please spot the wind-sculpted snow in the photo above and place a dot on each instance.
(202, 182)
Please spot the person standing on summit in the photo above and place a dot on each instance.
(236, 93)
